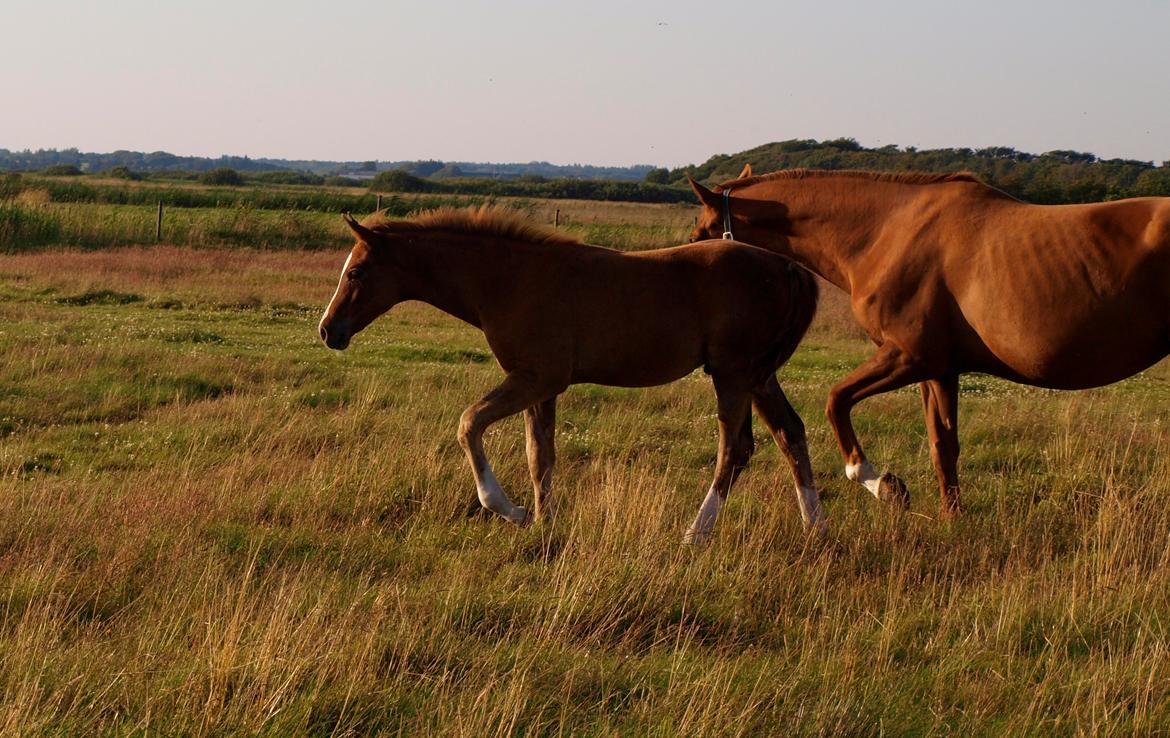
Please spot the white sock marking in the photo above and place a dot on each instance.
(705, 521)
(810, 507)
(492, 496)
(866, 475)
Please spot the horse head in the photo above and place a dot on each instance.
(366, 289)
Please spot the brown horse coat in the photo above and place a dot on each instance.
(558, 312)
(948, 275)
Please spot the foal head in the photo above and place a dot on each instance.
(366, 290)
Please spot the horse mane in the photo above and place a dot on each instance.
(485, 220)
(916, 178)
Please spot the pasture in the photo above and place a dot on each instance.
(212, 525)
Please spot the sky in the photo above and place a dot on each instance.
(597, 82)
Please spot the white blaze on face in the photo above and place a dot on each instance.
(866, 475)
(341, 281)
(492, 496)
(704, 522)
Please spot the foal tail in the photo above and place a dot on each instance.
(802, 296)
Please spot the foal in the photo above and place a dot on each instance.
(558, 312)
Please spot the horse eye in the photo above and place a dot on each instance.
(354, 274)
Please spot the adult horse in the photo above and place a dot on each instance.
(948, 275)
(558, 312)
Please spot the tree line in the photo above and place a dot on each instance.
(1055, 177)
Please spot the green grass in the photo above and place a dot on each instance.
(212, 525)
(29, 226)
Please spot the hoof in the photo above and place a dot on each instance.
(522, 517)
(950, 509)
(818, 529)
(893, 490)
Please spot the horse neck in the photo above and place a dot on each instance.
(830, 222)
(454, 273)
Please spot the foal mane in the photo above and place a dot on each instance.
(485, 220)
(916, 178)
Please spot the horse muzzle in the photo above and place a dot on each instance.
(335, 337)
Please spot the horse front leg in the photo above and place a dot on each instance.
(514, 394)
(889, 369)
(540, 429)
(940, 404)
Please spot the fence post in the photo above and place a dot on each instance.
(379, 201)
(557, 218)
(158, 224)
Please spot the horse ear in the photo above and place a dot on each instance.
(747, 171)
(364, 234)
(706, 196)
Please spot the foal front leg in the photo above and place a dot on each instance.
(735, 448)
(540, 428)
(514, 394)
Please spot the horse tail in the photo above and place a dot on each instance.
(803, 294)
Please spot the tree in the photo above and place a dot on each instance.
(396, 180)
(658, 176)
(62, 170)
(422, 168)
(121, 172)
(222, 176)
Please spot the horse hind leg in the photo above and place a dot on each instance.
(540, 427)
(940, 401)
(735, 448)
(788, 431)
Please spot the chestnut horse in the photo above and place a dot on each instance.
(948, 275)
(558, 312)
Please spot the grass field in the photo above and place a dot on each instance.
(212, 525)
(34, 220)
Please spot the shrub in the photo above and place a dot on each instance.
(23, 226)
(221, 176)
(287, 178)
(123, 173)
(397, 180)
(10, 185)
(62, 170)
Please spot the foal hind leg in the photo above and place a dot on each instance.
(886, 370)
(788, 432)
(540, 428)
(734, 452)
(514, 394)
(940, 400)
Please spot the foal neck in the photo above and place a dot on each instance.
(454, 272)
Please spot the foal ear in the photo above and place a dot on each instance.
(706, 196)
(747, 171)
(359, 230)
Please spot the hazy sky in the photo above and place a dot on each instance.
(600, 82)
